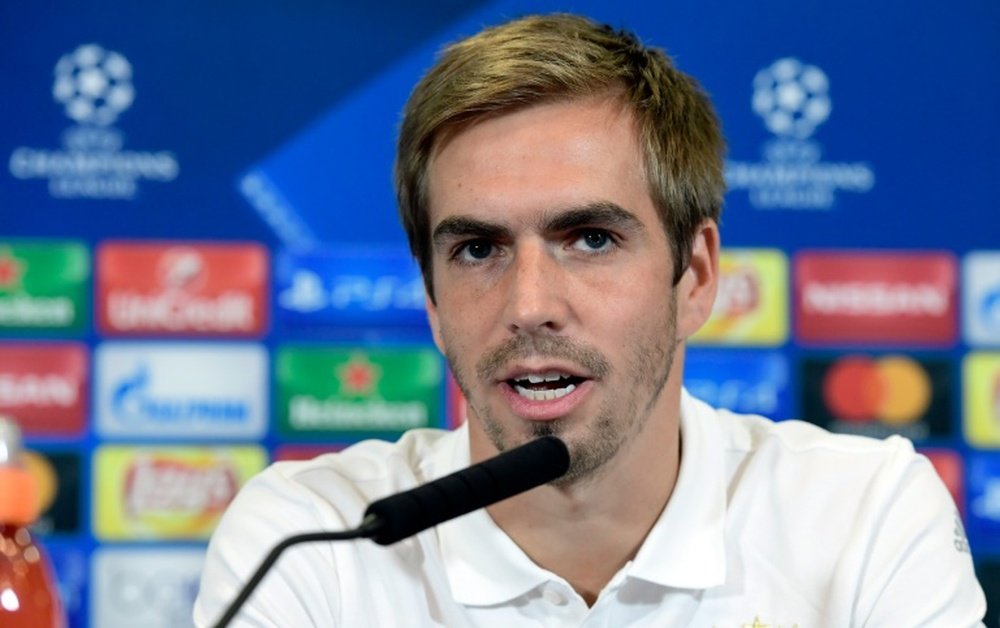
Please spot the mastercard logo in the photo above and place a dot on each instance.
(893, 389)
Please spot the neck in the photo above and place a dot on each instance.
(586, 532)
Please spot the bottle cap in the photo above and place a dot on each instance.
(10, 441)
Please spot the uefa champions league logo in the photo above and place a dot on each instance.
(793, 99)
(94, 85)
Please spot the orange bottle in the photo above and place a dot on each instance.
(28, 594)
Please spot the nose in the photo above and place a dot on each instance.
(536, 292)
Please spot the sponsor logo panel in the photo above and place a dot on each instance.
(869, 297)
(983, 490)
(182, 289)
(69, 565)
(167, 492)
(752, 382)
(878, 395)
(345, 392)
(751, 306)
(981, 398)
(361, 287)
(58, 478)
(304, 452)
(43, 286)
(950, 467)
(981, 298)
(153, 588)
(793, 99)
(44, 387)
(181, 390)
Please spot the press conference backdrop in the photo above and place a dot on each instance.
(201, 269)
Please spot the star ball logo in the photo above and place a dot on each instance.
(793, 100)
(94, 86)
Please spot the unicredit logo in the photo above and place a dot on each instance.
(876, 297)
(204, 289)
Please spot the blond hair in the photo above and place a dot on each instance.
(546, 58)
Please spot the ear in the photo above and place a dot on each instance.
(432, 320)
(699, 283)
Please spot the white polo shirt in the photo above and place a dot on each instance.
(769, 524)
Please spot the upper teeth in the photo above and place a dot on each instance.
(544, 377)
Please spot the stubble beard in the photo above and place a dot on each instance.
(619, 420)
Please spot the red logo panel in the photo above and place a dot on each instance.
(44, 387)
(876, 298)
(948, 464)
(182, 289)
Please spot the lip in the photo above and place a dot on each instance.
(548, 409)
(521, 370)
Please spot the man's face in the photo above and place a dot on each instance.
(552, 279)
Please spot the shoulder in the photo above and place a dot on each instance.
(366, 470)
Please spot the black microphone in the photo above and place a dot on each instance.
(404, 514)
(514, 471)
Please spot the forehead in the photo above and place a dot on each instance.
(538, 159)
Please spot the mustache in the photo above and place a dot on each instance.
(560, 347)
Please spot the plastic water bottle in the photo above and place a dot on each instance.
(28, 594)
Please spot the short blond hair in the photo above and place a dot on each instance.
(557, 57)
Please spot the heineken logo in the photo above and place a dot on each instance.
(43, 285)
(381, 391)
(358, 376)
(11, 270)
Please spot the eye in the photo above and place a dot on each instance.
(474, 251)
(593, 240)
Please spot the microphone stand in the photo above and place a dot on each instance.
(368, 527)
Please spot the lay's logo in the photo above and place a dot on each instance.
(167, 492)
(165, 486)
(752, 300)
(981, 398)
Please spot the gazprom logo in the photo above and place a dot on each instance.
(981, 298)
(186, 390)
(134, 401)
(989, 309)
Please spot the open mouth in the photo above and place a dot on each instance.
(544, 386)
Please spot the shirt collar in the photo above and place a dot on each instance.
(484, 566)
(684, 549)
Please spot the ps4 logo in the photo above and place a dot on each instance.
(306, 293)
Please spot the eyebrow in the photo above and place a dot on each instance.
(596, 214)
(457, 227)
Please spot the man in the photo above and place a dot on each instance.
(561, 185)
